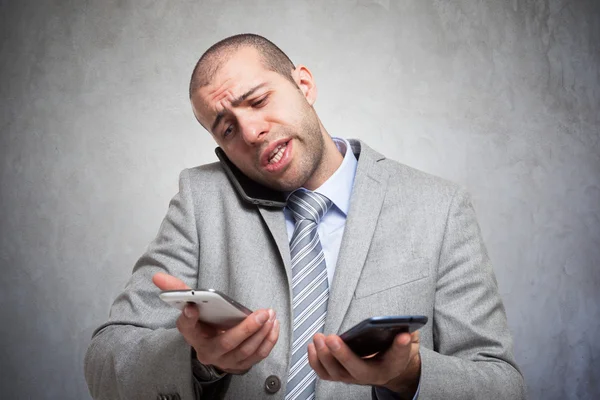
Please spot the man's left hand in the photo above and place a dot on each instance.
(398, 369)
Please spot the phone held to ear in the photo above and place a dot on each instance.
(250, 191)
(376, 334)
(214, 307)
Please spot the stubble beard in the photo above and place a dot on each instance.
(307, 164)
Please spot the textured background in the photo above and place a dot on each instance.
(500, 96)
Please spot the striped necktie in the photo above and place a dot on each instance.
(310, 289)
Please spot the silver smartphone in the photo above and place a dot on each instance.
(214, 307)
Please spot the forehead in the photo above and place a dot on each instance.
(238, 71)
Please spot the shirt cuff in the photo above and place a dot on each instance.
(381, 393)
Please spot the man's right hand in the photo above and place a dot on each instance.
(235, 350)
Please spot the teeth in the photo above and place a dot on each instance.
(275, 150)
(277, 153)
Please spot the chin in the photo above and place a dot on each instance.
(292, 178)
(283, 185)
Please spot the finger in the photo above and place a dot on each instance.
(190, 327)
(356, 368)
(168, 282)
(415, 343)
(415, 337)
(249, 347)
(400, 349)
(335, 370)
(315, 364)
(265, 347)
(397, 357)
(186, 323)
(233, 337)
(197, 334)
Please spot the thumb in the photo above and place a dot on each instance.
(168, 282)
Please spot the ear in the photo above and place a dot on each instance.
(305, 81)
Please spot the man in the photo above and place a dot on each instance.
(383, 239)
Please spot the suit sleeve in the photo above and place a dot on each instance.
(139, 353)
(472, 356)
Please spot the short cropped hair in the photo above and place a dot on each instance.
(272, 57)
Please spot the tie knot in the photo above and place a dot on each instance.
(305, 204)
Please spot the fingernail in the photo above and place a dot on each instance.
(187, 312)
(404, 339)
(271, 315)
(334, 346)
(262, 317)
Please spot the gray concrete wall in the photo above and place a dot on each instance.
(500, 96)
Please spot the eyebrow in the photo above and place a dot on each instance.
(235, 103)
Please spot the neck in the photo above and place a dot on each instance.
(331, 161)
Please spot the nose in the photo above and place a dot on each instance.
(253, 128)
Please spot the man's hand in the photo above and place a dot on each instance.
(398, 369)
(235, 350)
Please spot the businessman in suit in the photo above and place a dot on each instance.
(380, 238)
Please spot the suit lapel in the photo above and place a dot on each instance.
(275, 221)
(368, 193)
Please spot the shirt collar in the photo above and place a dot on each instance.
(338, 187)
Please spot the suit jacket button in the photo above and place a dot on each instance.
(272, 384)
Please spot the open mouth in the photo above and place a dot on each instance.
(277, 153)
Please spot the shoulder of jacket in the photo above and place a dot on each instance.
(212, 172)
(406, 174)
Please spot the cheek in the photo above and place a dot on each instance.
(241, 159)
(235, 152)
(286, 113)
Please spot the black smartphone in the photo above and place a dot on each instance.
(251, 191)
(376, 334)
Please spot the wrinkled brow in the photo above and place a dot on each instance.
(235, 103)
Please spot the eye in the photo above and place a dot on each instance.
(260, 102)
(228, 131)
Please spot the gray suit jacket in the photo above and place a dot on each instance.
(411, 246)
